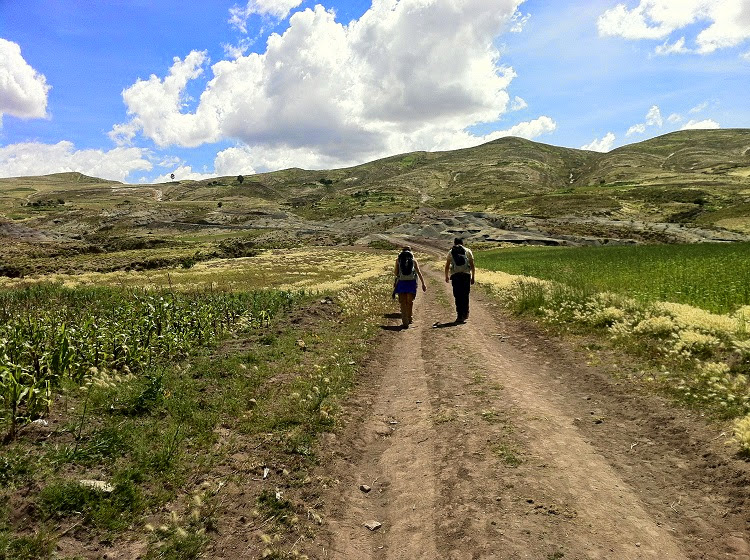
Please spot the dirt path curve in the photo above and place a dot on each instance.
(487, 440)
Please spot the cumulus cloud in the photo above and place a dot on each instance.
(678, 47)
(675, 118)
(653, 117)
(327, 92)
(601, 144)
(183, 173)
(725, 23)
(528, 130)
(23, 90)
(157, 106)
(278, 9)
(636, 129)
(518, 104)
(34, 158)
(236, 51)
(700, 125)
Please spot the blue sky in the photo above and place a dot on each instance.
(135, 90)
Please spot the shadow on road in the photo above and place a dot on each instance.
(393, 327)
(445, 325)
(392, 315)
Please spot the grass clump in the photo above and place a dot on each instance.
(741, 435)
(184, 536)
(109, 509)
(26, 547)
(508, 454)
(16, 467)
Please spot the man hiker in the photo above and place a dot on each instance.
(405, 284)
(459, 270)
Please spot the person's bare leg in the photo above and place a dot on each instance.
(410, 306)
(403, 301)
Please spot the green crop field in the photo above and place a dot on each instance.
(715, 277)
(50, 334)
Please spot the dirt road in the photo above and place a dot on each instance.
(491, 440)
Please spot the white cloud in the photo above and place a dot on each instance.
(518, 22)
(278, 9)
(238, 50)
(244, 160)
(518, 104)
(528, 129)
(726, 23)
(745, 56)
(698, 108)
(183, 173)
(33, 158)
(601, 145)
(328, 92)
(653, 117)
(675, 118)
(701, 125)
(157, 106)
(636, 129)
(678, 47)
(234, 161)
(631, 24)
(23, 90)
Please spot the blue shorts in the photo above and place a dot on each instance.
(406, 287)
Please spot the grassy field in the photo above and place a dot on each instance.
(715, 277)
(680, 311)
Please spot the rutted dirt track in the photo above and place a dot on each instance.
(490, 440)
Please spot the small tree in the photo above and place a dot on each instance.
(240, 178)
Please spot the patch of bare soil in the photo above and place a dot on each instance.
(492, 440)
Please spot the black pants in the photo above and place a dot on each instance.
(461, 288)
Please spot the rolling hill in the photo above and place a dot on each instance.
(683, 186)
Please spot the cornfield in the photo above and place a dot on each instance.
(49, 334)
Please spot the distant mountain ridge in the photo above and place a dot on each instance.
(687, 178)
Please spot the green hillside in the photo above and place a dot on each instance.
(641, 192)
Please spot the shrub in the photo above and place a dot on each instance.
(659, 326)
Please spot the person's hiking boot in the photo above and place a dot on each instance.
(460, 320)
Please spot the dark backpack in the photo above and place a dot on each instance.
(461, 264)
(459, 256)
(406, 265)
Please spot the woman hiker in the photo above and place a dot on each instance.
(407, 271)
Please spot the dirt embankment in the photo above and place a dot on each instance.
(490, 440)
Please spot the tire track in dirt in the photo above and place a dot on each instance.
(565, 477)
(395, 443)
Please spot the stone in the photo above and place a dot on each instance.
(365, 488)
(373, 525)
